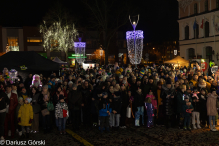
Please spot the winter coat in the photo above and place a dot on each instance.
(138, 100)
(5, 100)
(13, 103)
(154, 101)
(179, 100)
(185, 110)
(26, 114)
(202, 103)
(194, 83)
(35, 105)
(196, 105)
(117, 104)
(74, 100)
(168, 103)
(150, 109)
(41, 102)
(59, 110)
(87, 95)
(211, 105)
(125, 99)
(17, 110)
(104, 106)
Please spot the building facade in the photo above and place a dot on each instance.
(198, 29)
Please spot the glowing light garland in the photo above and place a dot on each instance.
(80, 51)
(58, 37)
(135, 45)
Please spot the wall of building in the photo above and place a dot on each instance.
(1, 46)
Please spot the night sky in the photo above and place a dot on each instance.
(158, 18)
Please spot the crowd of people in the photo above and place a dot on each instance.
(108, 98)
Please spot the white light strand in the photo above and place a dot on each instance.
(58, 37)
(137, 38)
(80, 51)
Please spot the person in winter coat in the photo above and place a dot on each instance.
(20, 103)
(116, 109)
(25, 116)
(10, 111)
(36, 110)
(150, 111)
(149, 86)
(125, 103)
(179, 100)
(211, 108)
(61, 113)
(167, 96)
(196, 111)
(194, 80)
(139, 106)
(87, 100)
(203, 109)
(43, 101)
(154, 103)
(104, 112)
(4, 100)
(74, 104)
(187, 110)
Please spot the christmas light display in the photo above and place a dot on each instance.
(13, 75)
(58, 37)
(80, 51)
(135, 44)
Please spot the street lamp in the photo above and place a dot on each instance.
(134, 43)
(153, 48)
(80, 51)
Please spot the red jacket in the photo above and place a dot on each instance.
(13, 103)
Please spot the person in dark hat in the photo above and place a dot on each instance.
(139, 107)
(116, 110)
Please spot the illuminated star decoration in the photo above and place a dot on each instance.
(135, 38)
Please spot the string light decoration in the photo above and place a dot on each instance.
(80, 51)
(58, 37)
(14, 48)
(135, 43)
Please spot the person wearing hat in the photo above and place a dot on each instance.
(75, 104)
(141, 74)
(62, 114)
(25, 116)
(168, 103)
(120, 79)
(104, 111)
(116, 110)
(139, 106)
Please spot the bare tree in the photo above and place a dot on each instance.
(108, 16)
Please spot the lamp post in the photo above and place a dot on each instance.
(134, 43)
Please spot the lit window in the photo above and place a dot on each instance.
(13, 41)
(34, 39)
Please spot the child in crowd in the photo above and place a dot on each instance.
(196, 111)
(104, 112)
(187, 110)
(61, 113)
(150, 112)
(154, 103)
(25, 116)
(211, 108)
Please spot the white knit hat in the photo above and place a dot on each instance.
(70, 82)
